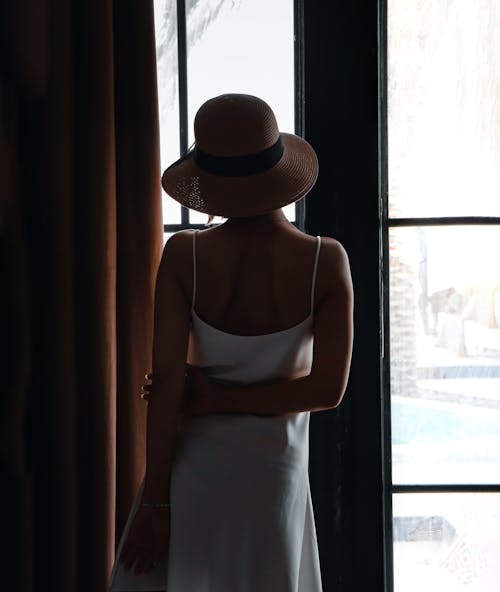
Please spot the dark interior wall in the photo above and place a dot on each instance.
(341, 122)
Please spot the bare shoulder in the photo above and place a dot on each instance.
(333, 249)
(333, 264)
(179, 240)
(178, 249)
(177, 260)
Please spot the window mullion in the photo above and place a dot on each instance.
(448, 488)
(183, 91)
(444, 221)
(299, 97)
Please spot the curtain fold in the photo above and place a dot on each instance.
(81, 239)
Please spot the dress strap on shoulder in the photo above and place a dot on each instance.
(314, 272)
(195, 232)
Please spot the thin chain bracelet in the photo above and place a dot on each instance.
(145, 505)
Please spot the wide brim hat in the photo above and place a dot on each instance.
(241, 165)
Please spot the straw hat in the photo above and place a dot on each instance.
(241, 165)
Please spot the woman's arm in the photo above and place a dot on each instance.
(324, 387)
(170, 343)
(269, 397)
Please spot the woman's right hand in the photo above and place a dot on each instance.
(197, 398)
(146, 388)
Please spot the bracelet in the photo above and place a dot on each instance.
(145, 505)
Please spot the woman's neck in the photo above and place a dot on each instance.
(269, 221)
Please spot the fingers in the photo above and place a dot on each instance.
(190, 372)
(127, 557)
(146, 388)
(145, 543)
(145, 560)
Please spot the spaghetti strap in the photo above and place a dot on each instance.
(314, 272)
(194, 269)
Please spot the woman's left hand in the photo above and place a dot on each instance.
(147, 541)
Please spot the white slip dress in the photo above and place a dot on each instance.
(241, 512)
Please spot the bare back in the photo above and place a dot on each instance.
(255, 284)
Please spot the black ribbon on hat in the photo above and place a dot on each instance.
(236, 166)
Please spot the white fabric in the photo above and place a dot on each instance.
(241, 512)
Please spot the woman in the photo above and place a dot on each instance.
(262, 314)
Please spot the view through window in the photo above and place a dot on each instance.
(240, 46)
(443, 142)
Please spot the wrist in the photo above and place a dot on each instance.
(154, 492)
(212, 398)
(217, 397)
(155, 506)
(222, 399)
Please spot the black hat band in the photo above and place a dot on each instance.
(238, 166)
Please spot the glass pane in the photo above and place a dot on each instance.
(290, 211)
(443, 116)
(241, 46)
(201, 218)
(446, 542)
(168, 95)
(445, 354)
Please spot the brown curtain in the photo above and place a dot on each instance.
(81, 238)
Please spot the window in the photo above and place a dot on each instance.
(195, 63)
(441, 270)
